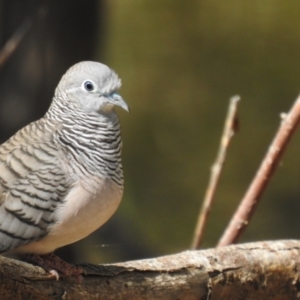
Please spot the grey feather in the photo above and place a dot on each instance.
(65, 167)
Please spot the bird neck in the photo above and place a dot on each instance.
(91, 140)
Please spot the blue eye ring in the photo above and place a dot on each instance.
(89, 86)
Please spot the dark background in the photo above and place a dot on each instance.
(179, 61)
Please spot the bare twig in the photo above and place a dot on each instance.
(14, 42)
(249, 203)
(228, 132)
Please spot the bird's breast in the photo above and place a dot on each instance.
(84, 210)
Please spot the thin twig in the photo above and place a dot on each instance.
(228, 132)
(14, 42)
(267, 168)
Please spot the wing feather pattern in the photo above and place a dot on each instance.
(32, 184)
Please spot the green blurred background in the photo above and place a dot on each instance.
(180, 62)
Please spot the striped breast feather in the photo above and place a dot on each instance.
(93, 147)
(32, 185)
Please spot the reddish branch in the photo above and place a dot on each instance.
(228, 132)
(14, 42)
(249, 203)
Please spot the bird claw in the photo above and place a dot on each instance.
(54, 274)
(54, 265)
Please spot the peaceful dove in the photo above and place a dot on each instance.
(61, 177)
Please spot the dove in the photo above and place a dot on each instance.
(61, 176)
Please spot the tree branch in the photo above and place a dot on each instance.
(247, 207)
(14, 42)
(228, 132)
(261, 270)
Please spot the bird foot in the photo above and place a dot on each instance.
(54, 274)
(55, 265)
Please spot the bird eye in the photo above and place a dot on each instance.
(89, 86)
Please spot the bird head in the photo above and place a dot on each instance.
(92, 86)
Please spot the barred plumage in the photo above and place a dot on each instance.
(61, 177)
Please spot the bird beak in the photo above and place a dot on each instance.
(116, 99)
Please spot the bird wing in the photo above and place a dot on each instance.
(32, 184)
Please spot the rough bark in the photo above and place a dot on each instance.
(262, 270)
